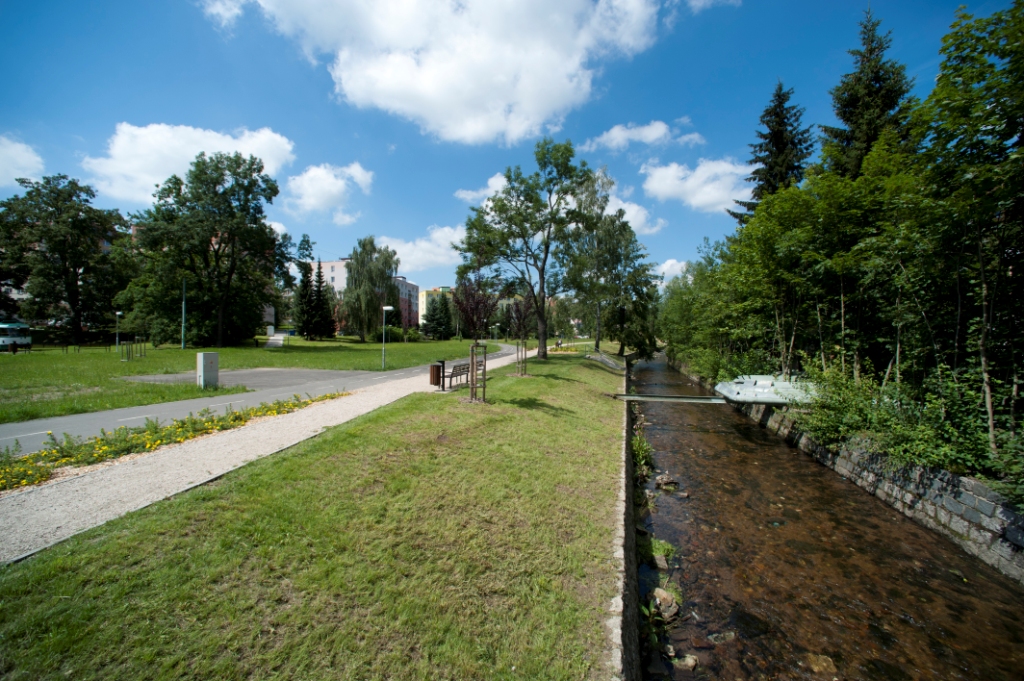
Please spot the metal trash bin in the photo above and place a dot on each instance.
(436, 377)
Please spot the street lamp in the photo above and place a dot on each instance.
(117, 330)
(384, 336)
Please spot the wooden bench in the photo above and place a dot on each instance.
(458, 371)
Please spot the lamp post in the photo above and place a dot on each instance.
(384, 336)
(117, 330)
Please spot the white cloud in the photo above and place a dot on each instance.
(698, 5)
(471, 71)
(18, 159)
(433, 250)
(325, 187)
(712, 186)
(495, 184)
(224, 12)
(636, 215)
(620, 136)
(139, 158)
(670, 269)
(691, 139)
(277, 226)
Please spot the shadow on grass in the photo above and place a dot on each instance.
(534, 403)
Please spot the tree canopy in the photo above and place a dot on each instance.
(208, 230)
(370, 285)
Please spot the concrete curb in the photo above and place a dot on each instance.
(623, 623)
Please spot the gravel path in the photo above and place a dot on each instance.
(41, 516)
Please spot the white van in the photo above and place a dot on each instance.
(15, 334)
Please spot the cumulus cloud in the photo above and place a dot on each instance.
(670, 269)
(139, 158)
(620, 136)
(433, 250)
(325, 188)
(471, 71)
(637, 216)
(18, 159)
(277, 226)
(495, 184)
(710, 187)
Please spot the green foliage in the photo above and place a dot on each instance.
(868, 101)
(370, 286)
(519, 230)
(890, 274)
(437, 322)
(209, 230)
(779, 157)
(67, 254)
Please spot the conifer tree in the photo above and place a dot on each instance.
(304, 293)
(779, 156)
(321, 322)
(867, 101)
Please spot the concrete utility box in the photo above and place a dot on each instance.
(206, 370)
(270, 330)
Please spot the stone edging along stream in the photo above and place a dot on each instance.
(980, 521)
(624, 621)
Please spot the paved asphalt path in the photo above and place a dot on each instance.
(267, 385)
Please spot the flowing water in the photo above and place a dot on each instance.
(786, 571)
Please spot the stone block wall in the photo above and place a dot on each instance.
(624, 611)
(980, 521)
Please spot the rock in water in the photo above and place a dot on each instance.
(661, 563)
(666, 603)
(724, 637)
(820, 664)
(688, 662)
(665, 481)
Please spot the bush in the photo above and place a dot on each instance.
(413, 335)
(395, 334)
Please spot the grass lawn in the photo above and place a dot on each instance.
(431, 539)
(48, 383)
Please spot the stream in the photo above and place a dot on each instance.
(784, 570)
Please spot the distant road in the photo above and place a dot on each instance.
(268, 385)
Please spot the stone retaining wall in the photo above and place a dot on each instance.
(980, 521)
(624, 621)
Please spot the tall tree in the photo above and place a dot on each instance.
(867, 101)
(520, 228)
(779, 156)
(302, 296)
(65, 246)
(370, 285)
(437, 322)
(321, 322)
(209, 230)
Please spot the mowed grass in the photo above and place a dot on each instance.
(431, 539)
(49, 383)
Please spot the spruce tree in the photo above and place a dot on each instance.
(445, 315)
(867, 101)
(779, 156)
(302, 315)
(321, 323)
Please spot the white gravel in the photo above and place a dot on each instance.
(41, 516)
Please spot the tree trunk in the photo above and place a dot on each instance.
(983, 352)
(821, 337)
(597, 334)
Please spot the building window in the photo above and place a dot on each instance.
(332, 269)
(332, 278)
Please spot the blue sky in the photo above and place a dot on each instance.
(389, 117)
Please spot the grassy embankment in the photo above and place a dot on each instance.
(430, 539)
(49, 383)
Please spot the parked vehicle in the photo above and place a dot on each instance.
(15, 336)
